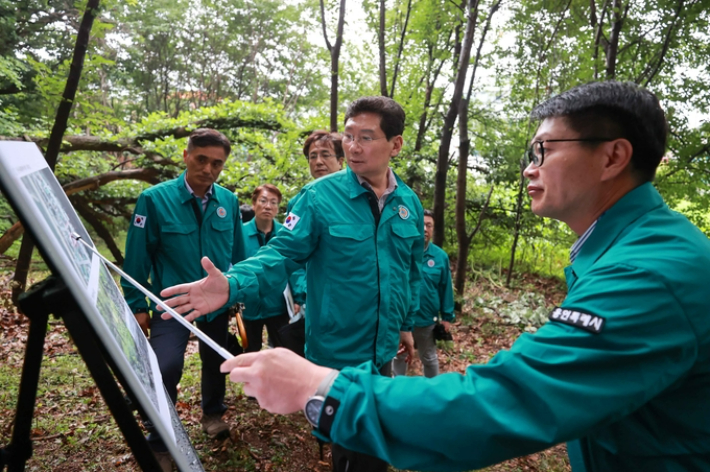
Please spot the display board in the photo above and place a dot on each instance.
(45, 210)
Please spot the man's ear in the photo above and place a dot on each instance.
(184, 155)
(618, 158)
(398, 143)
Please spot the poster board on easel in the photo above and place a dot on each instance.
(45, 211)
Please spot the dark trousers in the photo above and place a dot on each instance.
(255, 328)
(345, 460)
(168, 338)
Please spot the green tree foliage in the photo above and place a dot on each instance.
(260, 72)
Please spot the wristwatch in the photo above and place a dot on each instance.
(314, 404)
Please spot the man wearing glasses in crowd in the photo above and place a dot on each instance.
(270, 311)
(361, 233)
(324, 152)
(621, 372)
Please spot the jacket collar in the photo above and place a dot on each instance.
(427, 250)
(249, 228)
(612, 223)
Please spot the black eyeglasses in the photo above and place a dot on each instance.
(536, 152)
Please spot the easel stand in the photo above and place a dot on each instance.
(52, 296)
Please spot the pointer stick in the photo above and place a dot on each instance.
(203, 337)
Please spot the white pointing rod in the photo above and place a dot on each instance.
(193, 329)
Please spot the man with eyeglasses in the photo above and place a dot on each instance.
(269, 311)
(621, 372)
(174, 225)
(361, 232)
(324, 152)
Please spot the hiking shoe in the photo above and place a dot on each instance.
(214, 426)
(165, 461)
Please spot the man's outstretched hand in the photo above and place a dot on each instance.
(202, 297)
(279, 379)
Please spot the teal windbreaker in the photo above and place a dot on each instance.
(363, 279)
(621, 371)
(275, 303)
(169, 235)
(436, 301)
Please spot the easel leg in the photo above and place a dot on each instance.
(20, 448)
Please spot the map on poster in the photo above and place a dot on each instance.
(43, 207)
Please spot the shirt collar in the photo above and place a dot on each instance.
(208, 194)
(391, 182)
(574, 250)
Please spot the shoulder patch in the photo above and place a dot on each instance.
(139, 221)
(586, 321)
(291, 221)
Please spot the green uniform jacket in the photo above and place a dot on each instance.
(298, 278)
(634, 396)
(363, 280)
(437, 296)
(166, 240)
(275, 303)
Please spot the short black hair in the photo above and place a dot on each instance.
(429, 213)
(325, 136)
(391, 113)
(206, 137)
(615, 110)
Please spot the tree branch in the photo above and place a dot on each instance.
(401, 47)
(652, 69)
(91, 217)
(325, 32)
(484, 208)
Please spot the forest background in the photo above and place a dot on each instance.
(268, 72)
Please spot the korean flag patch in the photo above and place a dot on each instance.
(139, 221)
(586, 321)
(291, 221)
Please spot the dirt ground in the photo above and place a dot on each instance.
(73, 430)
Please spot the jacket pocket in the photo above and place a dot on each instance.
(406, 231)
(180, 239)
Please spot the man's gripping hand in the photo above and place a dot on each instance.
(200, 297)
(281, 380)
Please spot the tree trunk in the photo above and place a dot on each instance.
(60, 126)
(462, 236)
(401, 47)
(461, 178)
(334, 50)
(518, 218)
(461, 265)
(381, 44)
(613, 46)
(442, 162)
